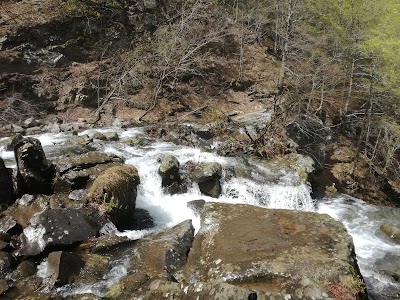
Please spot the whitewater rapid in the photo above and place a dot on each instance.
(267, 185)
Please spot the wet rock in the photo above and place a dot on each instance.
(391, 231)
(114, 193)
(9, 225)
(208, 175)
(78, 195)
(83, 297)
(169, 170)
(108, 243)
(3, 286)
(5, 260)
(17, 129)
(164, 253)
(78, 171)
(99, 136)
(33, 168)
(30, 122)
(24, 269)
(59, 227)
(94, 268)
(11, 142)
(271, 250)
(158, 288)
(62, 266)
(197, 206)
(25, 200)
(204, 133)
(124, 288)
(6, 190)
(111, 136)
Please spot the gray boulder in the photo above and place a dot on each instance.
(34, 172)
(59, 227)
(208, 175)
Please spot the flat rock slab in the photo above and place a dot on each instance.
(271, 250)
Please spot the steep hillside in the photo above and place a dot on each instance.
(319, 66)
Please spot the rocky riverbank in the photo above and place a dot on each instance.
(59, 234)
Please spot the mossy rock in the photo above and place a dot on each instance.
(113, 193)
(391, 231)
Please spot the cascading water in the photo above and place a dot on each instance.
(251, 182)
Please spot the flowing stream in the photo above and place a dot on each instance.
(247, 181)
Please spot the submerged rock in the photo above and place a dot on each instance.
(273, 250)
(114, 193)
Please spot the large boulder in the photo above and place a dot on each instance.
(6, 190)
(34, 172)
(163, 254)
(208, 176)
(59, 227)
(303, 254)
(79, 171)
(114, 193)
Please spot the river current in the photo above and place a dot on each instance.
(270, 185)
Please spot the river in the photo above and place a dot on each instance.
(270, 185)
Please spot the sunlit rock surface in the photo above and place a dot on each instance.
(271, 250)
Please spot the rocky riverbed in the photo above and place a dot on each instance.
(140, 217)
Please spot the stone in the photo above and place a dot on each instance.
(114, 193)
(59, 227)
(18, 129)
(3, 286)
(204, 133)
(124, 288)
(391, 231)
(24, 270)
(159, 288)
(30, 122)
(9, 225)
(5, 261)
(79, 171)
(271, 250)
(26, 199)
(6, 190)
(169, 170)
(78, 195)
(111, 136)
(197, 206)
(163, 254)
(13, 141)
(62, 266)
(208, 175)
(99, 136)
(94, 268)
(35, 173)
